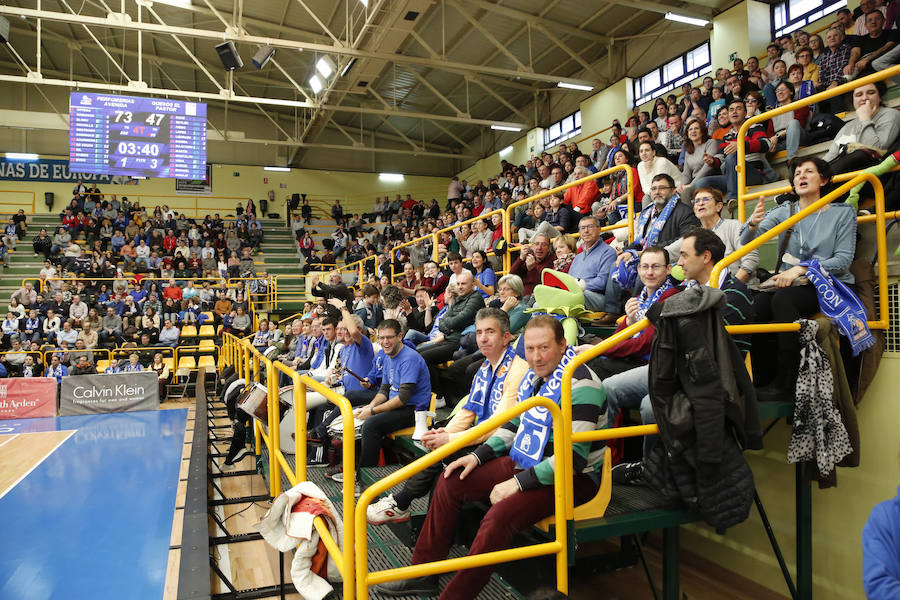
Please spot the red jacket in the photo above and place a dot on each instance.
(581, 197)
(173, 292)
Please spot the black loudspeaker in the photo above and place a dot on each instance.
(231, 60)
(48, 200)
(4, 30)
(262, 56)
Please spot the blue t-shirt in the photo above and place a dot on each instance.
(487, 277)
(408, 366)
(357, 358)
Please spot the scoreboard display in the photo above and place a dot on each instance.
(136, 137)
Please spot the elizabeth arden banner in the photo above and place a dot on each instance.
(27, 397)
(121, 392)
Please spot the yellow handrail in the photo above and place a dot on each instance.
(19, 204)
(507, 227)
(561, 443)
(881, 241)
(232, 348)
(740, 168)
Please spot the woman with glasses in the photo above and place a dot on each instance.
(708, 204)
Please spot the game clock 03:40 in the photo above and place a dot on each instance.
(138, 149)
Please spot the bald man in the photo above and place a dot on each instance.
(460, 315)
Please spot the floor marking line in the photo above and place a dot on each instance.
(11, 438)
(37, 463)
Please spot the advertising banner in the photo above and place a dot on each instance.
(27, 397)
(120, 392)
(49, 170)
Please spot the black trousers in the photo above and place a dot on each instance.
(434, 354)
(454, 383)
(785, 305)
(377, 426)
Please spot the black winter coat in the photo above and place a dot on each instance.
(705, 406)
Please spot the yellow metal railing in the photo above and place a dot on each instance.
(15, 205)
(881, 245)
(248, 362)
(193, 206)
(740, 168)
(559, 547)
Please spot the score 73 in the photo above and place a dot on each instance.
(124, 116)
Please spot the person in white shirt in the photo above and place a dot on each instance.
(331, 349)
(78, 310)
(51, 326)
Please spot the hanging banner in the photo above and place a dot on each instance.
(120, 392)
(27, 397)
(50, 170)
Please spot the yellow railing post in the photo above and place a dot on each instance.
(559, 547)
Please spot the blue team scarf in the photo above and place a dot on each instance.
(437, 321)
(646, 300)
(487, 387)
(838, 302)
(302, 345)
(652, 236)
(130, 368)
(535, 426)
(320, 345)
(56, 372)
(625, 273)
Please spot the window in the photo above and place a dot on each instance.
(792, 15)
(564, 129)
(689, 66)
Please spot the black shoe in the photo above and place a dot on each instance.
(628, 473)
(241, 454)
(418, 586)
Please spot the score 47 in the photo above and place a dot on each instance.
(125, 116)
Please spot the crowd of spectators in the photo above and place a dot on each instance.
(117, 275)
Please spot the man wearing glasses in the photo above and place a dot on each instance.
(405, 388)
(665, 222)
(593, 267)
(653, 269)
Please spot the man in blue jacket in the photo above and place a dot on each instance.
(881, 551)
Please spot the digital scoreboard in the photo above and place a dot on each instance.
(137, 137)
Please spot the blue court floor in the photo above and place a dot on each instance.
(94, 519)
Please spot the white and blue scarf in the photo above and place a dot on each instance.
(535, 426)
(652, 236)
(838, 302)
(487, 387)
(130, 368)
(321, 345)
(56, 372)
(437, 321)
(645, 300)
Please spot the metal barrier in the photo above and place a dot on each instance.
(17, 204)
(248, 361)
(740, 168)
(47, 354)
(881, 244)
(562, 493)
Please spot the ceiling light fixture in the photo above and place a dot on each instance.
(348, 66)
(506, 151)
(505, 128)
(689, 20)
(365, 3)
(280, 169)
(393, 177)
(316, 84)
(325, 66)
(574, 86)
(21, 156)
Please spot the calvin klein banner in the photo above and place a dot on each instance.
(120, 392)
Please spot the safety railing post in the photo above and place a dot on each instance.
(274, 432)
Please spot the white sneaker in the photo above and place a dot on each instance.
(440, 402)
(386, 511)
